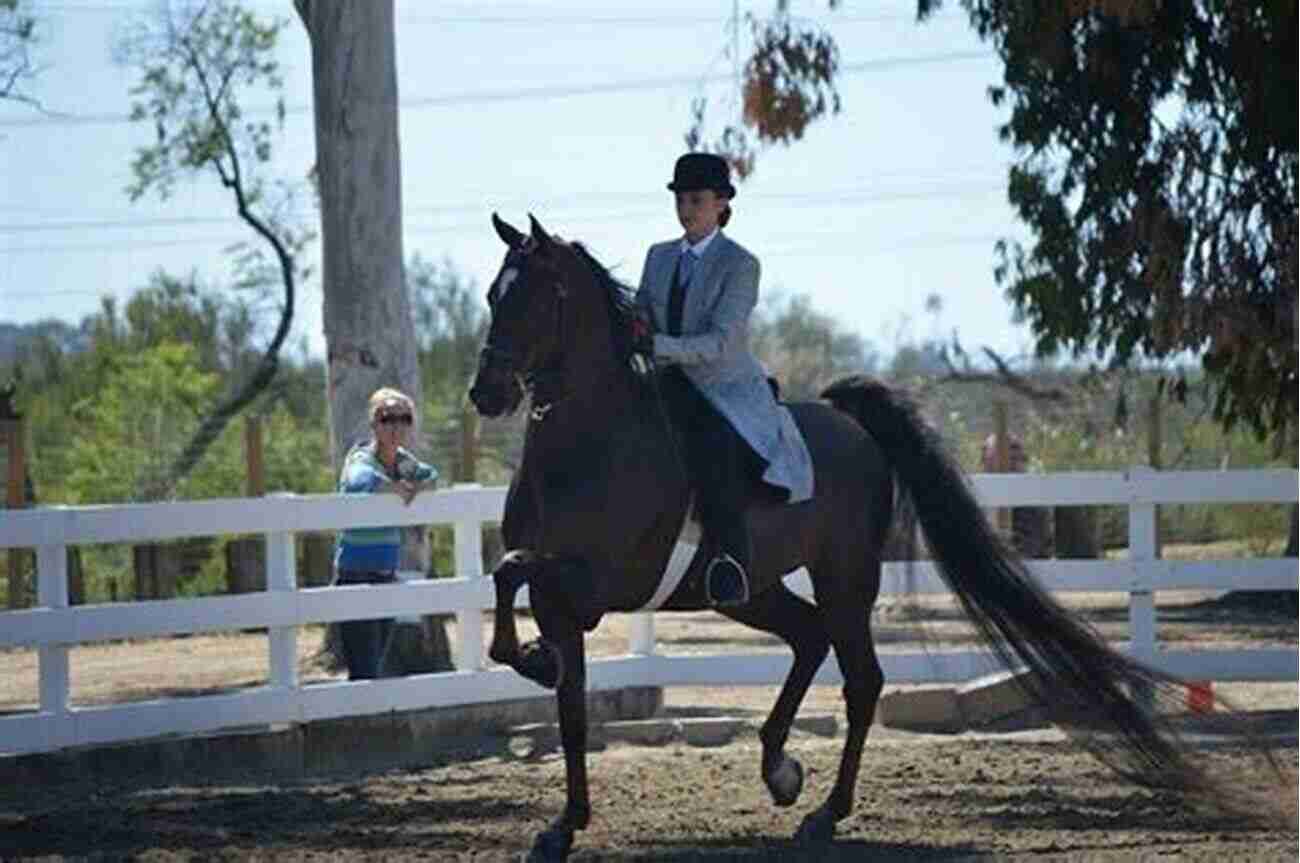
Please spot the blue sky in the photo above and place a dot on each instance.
(574, 111)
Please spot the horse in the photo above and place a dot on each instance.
(594, 512)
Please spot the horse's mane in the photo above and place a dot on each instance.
(620, 302)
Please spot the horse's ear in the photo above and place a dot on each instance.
(509, 235)
(543, 239)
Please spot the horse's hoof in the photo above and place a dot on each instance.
(502, 655)
(550, 846)
(817, 826)
(541, 662)
(785, 782)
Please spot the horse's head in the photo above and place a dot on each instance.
(528, 329)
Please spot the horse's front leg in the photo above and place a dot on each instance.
(510, 575)
(564, 634)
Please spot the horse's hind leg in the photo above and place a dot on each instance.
(799, 624)
(846, 607)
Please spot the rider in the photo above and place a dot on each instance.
(697, 293)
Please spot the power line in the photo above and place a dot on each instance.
(794, 199)
(526, 94)
(424, 12)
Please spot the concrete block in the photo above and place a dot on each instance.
(824, 725)
(710, 731)
(540, 738)
(994, 697)
(322, 746)
(352, 743)
(273, 751)
(643, 732)
(931, 709)
(625, 703)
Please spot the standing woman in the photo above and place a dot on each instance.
(369, 555)
(698, 292)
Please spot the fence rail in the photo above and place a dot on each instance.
(53, 626)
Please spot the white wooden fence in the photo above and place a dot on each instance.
(53, 626)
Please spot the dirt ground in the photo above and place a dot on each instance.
(1027, 795)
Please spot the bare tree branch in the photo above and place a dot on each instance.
(1002, 376)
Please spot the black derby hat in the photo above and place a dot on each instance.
(702, 171)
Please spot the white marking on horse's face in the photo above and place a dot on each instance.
(506, 279)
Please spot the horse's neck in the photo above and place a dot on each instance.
(604, 426)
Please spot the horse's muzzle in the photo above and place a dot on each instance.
(496, 389)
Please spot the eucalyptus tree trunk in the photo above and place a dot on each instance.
(369, 331)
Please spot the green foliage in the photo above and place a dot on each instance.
(131, 427)
(74, 380)
(194, 60)
(1157, 169)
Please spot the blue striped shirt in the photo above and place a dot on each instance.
(374, 549)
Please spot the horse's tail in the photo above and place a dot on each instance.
(1085, 685)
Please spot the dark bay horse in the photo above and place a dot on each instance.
(595, 510)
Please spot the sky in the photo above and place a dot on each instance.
(571, 110)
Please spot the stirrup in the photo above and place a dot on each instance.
(737, 571)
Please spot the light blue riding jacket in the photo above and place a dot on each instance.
(713, 351)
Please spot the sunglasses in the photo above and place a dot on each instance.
(396, 419)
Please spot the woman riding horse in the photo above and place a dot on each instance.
(699, 292)
(594, 511)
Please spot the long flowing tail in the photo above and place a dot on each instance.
(1088, 687)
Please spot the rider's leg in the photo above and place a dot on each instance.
(724, 489)
(717, 459)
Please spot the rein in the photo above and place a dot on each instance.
(546, 384)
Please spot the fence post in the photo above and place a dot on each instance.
(282, 576)
(468, 563)
(641, 633)
(1142, 552)
(52, 592)
(1002, 462)
(255, 463)
(1155, 447)
(11, 424)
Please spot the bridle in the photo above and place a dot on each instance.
(545, 384)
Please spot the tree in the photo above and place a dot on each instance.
(132, 426)
(18, 34)
(369, 332)
(67, 370)
(450, 323)
(1157, 170)
(806, 349)
(194, 60)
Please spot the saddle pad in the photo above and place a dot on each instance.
(679, 563)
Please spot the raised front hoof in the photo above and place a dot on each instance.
(503, 654)
(785, 783)
(550, 846)
(817, 826)
(541, 662)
